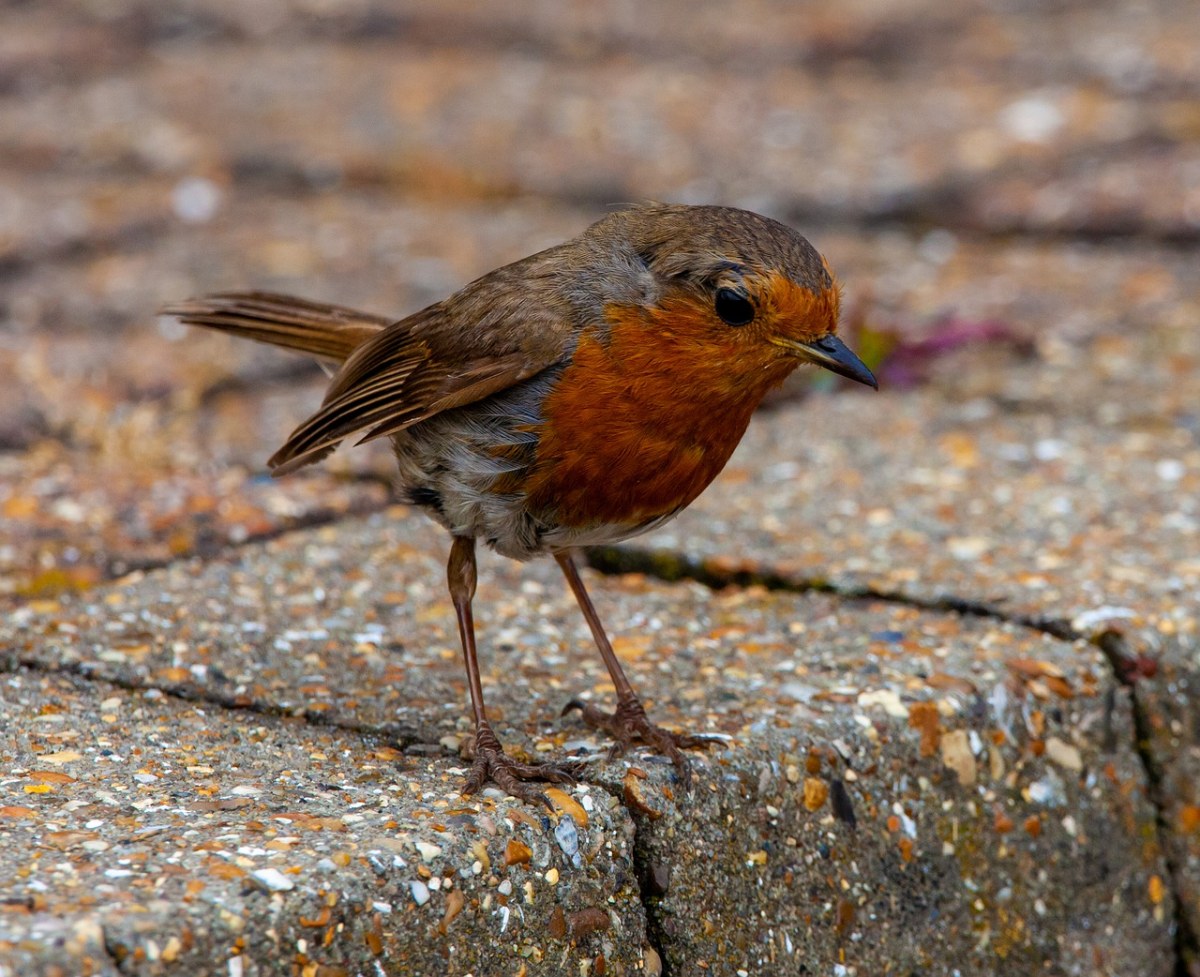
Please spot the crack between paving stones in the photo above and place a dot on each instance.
(1187, 940)
(673, 567)
(404, 740)
(401, 737)
(116, 569)
(656, 935)
(119, 568)
(116, 952)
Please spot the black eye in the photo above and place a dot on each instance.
(733, 307)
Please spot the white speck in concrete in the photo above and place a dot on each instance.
(273, 880)
(420, 891)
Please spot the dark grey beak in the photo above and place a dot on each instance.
(831, 353)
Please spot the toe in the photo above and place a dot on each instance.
(492, 764)
(628, 726)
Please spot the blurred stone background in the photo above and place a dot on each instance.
(1009, 192)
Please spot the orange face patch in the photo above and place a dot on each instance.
(797, 312)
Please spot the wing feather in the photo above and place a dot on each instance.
(330, 332)
(494, 333)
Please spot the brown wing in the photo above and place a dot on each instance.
(395, 383)
(502, 329)
(331, 332)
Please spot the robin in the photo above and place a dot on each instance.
(580, 396)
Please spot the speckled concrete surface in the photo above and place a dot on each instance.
(885, 770)
(148, 836)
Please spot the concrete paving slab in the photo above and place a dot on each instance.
(150, 836)
(893, 769)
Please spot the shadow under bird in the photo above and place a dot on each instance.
(580, 396)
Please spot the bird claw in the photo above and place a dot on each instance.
(629, 725)
(492, 764)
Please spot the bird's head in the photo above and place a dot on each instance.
(742, 289)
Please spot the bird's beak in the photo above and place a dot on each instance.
(831, 353)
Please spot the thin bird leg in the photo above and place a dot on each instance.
(491, 762)
(628, 723)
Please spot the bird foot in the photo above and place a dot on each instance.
(629, 725)
(492, 764)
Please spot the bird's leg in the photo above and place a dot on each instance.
(628, 723)
(491, 762)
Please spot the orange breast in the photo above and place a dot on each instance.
(639, 425)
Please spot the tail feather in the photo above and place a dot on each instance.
(329, 332)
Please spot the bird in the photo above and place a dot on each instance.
(580, 396)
